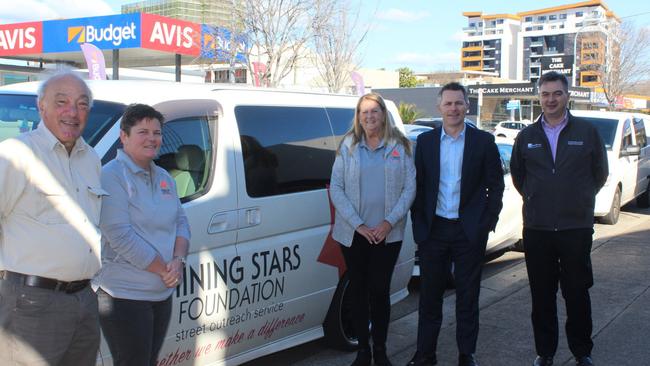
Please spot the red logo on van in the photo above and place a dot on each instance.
(21, 38)
(331, 253)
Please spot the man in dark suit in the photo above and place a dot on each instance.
(457, 203)
(558, 165)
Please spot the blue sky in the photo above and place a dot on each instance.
(423, 35)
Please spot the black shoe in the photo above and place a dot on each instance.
(543, 361)
(363, 358)
(380, 357)
(467, 360)
(584, 361)
(419, 360)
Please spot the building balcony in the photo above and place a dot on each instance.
(472, 68)
(472, 58)
(471, 48)
(537, 44)
(470, 29)
(536, 64)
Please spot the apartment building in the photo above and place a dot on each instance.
(545, 40)
(490, 44)
(212, 12)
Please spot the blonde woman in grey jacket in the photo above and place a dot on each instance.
(372, 188)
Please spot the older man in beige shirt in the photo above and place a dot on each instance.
(50, 197)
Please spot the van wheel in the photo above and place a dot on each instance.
(612, 217)
(339, 331)
(643, 201)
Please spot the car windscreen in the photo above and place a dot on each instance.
(18, 113)
(606, 128)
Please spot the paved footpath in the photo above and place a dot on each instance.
(620, 302)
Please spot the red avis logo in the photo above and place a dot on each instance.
(20, 38)
(170, 35)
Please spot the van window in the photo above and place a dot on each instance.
(341, 120)
(186, 153)
(18, 113)
(640, 133)
(285, 149)
(606, 129)
(626, 140)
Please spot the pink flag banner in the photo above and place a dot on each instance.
(95, 61)
(259, 69)
(358, 82)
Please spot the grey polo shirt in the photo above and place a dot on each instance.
(140, 219)
(372, 183)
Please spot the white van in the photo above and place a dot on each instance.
(628, 156)
(252, 167)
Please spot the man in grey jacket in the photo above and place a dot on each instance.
(558, 165)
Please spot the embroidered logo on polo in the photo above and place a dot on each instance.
(534, 146)
(164, 188)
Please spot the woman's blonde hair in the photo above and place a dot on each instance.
(391, 133)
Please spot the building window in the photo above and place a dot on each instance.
(472, 24)
(480, 24)
(528, 19)
(579, 25)
(579, 14)
(528, 29)
(539, 27)
(562, 16)
(499, 21)
(561, 26)
(541, 18)
(493, 22)
(500, 31)
(552, 17)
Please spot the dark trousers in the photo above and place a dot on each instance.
(370, 269)
(564, 257)
(47, 327)
(134, 329)
(448, 243)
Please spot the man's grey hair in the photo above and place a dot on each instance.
(60, 74)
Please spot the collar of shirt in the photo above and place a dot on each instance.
(559, 126)
(461, 135)
(133, 167)
(53, 142)
(365, 145)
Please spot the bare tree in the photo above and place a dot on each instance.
(627, 61)
(336, 43)
(279, 31)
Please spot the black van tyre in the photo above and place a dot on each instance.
(614, 211)
(643, 201)
(338, 327)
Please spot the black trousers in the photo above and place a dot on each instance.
(134, 330)
(448, 242)
(370, 269)
(564, 257)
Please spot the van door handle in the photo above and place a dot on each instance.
(251, 216)
(223, 221)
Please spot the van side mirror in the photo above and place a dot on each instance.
(631, 150)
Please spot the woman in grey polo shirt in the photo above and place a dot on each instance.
(372, 188)
(145, 238)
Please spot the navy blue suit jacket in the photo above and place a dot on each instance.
(481, 187)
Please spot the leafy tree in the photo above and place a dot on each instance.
(406, 78)
(408, 112)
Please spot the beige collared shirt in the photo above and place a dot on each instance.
(49, 207)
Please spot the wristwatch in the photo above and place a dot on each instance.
(182, 258)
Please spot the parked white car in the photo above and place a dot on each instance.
(628, 156)
(510, 129)
(252, 167)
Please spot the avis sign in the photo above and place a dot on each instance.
(170, 35)
(21, 38)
